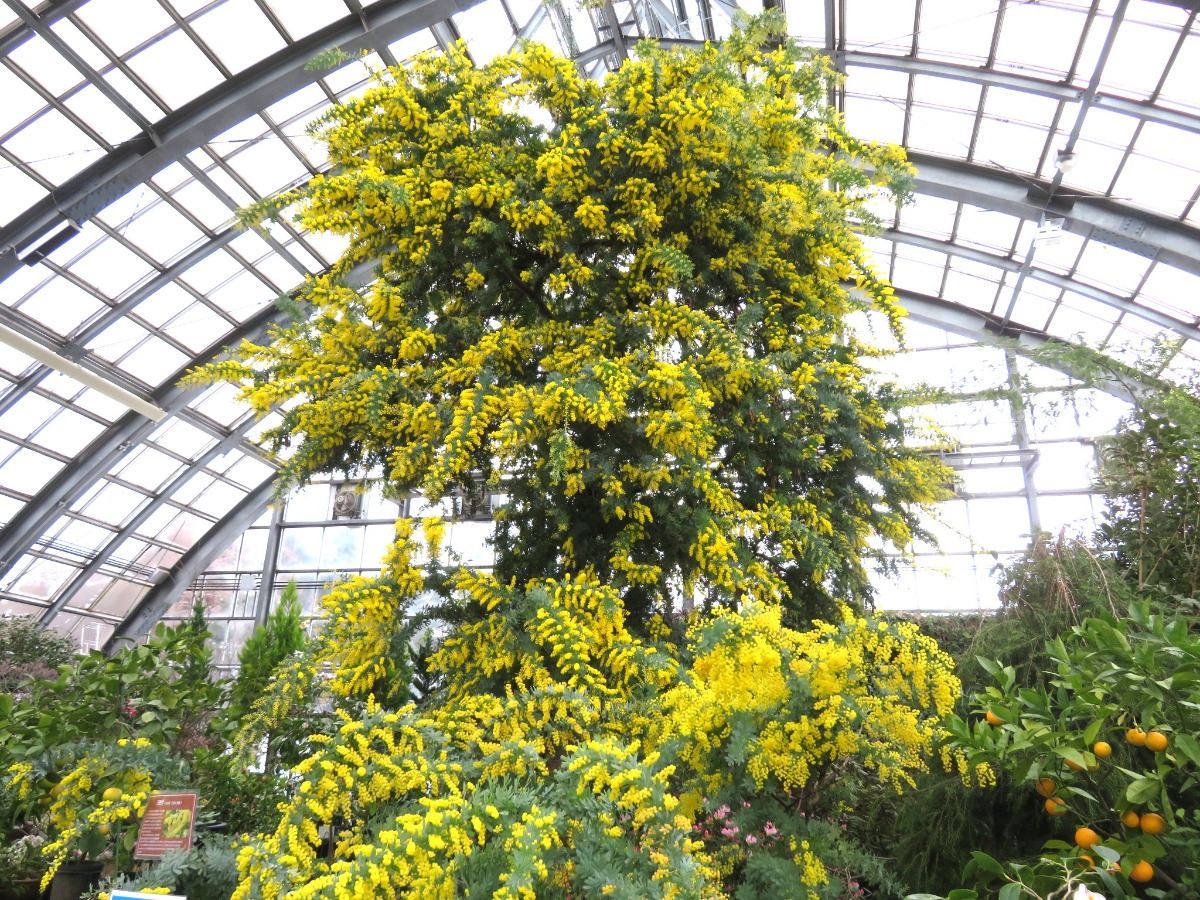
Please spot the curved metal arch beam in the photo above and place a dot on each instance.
(150, 608)
(1007, 264)
(1044, 87)
(75, 348)
(180, 132)
(80, 578)
(1028, 196)
(1092, 216)
(988, 329)
(64, 489)
(73, 481)
(22, 31)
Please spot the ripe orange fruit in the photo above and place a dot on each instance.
(1156, 741)
(1055, 806)
(105, 828)
(1143, 871)
(1087, 861)
(1131, 819)
(1086, 838)
(993, 719)
(1046, 787)
(1102, 749)
(1153, 823)
(1136, 736)
(1071, 764)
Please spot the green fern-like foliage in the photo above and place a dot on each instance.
(277, 640)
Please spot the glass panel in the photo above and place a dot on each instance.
(299, 548)
(53, 147)
(1076, 514)
(242, 297)
(123, 24)
(45, 66)
(930, 216)
(986, 228)
(1156, 185)
(149, 107)
(238, 34)
(154, 361)
(342, 548)
(61, 305)
(888, 26)
(919, 270)
(875, 119)
(182, 438)
(204, 205)
(486, 29)
(70, 34)
(1179, 90)
(111, 268)
(20, 100)
(1000, 523)
(1064, 467)
(218, 499)
(102, 115)
(113, 504)
(1109, 266)
(1174, 289)
(301, 19)
(28, 414)
(68, 432)
(253, 549)
(37, 578)
(158, 230)
(19, 190)
(948, 31)
(26, 472)
(175, 69)
(1136, 62)
(1041, 38)
(147, 468)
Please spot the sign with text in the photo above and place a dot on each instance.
(168, 824)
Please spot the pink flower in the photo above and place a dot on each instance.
(770, 830)
(751, 839)
(722, 812)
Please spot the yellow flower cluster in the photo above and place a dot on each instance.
(874, 691)
(79, 806)
(363, 614)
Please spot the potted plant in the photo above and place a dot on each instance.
(21, 868)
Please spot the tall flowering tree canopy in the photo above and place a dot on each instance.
(626, 299)
(621, 304)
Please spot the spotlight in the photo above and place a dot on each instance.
(1065, 161)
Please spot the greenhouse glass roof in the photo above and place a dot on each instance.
(1056, 145)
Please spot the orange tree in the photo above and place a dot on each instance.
(1111, 744)
(623, 306)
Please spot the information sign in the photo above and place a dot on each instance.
(168, 824)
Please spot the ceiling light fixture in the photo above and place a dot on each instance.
(49, 357)
(1065, 161)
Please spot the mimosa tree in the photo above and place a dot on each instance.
(622, 305)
